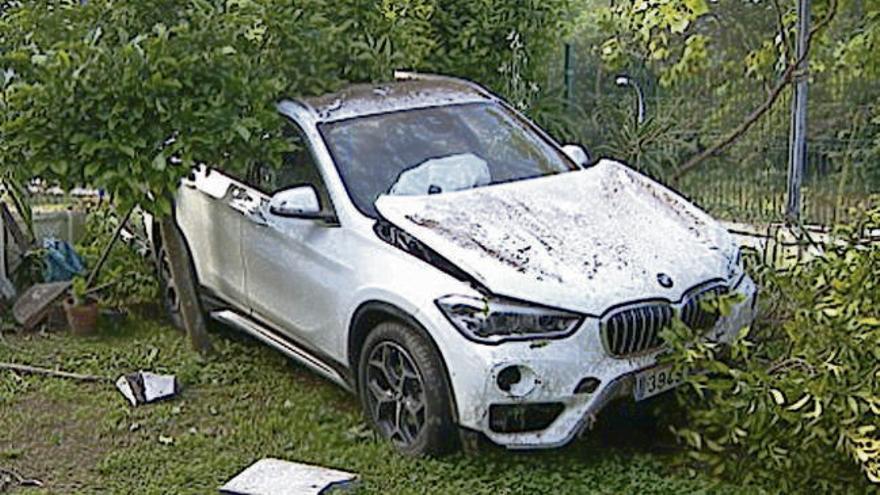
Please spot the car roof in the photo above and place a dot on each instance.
(360, 100)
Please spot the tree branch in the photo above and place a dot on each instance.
(21, 368)
(108, 248)
(784, 80)
(786, 47)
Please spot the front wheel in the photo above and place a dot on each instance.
(404, 390)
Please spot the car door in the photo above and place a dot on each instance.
(210, 207)
(295, 267)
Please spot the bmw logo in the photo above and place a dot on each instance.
(664, 280)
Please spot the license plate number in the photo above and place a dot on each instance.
(655, 381)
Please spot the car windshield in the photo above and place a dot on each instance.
(435, 150)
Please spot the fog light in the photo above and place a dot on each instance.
(516, 380)
(587, 385)
(508, 377)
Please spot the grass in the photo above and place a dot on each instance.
(248, 402)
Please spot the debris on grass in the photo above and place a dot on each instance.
(34, 305)
(277, 477)
(10, 479)
(144, 387)
(33, 370)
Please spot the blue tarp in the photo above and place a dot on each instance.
(62, 261)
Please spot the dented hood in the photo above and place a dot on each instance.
(584, 241)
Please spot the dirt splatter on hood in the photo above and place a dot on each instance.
(583, 241)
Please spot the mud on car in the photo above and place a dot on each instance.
(433, 251)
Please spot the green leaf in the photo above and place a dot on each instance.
(128, 150)
(697, 7)
(242, 131)
(777, 396)
(160, 162)
(92, 169)
(58, 168)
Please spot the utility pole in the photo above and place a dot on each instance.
(569, 74)
(797, 145)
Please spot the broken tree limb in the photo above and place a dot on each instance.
(33, 370)
(8, 477)
(108, 248)
(181, 270)
(787, 77)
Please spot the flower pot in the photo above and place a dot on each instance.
(81, 318)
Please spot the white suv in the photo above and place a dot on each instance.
(430, 249)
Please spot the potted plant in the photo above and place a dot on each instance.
(81, 309)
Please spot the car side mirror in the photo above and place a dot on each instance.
(299, 202)
(577, 153)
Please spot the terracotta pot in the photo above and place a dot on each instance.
(82, 319)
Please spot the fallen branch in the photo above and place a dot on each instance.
(109, 247)
(8, 477)
(788, 75)
(22, 368)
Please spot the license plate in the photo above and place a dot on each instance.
(655, 381)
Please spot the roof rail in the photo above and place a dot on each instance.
(405, 75)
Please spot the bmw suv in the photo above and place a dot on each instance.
(433, 251)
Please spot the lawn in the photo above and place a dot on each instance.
(248, 402)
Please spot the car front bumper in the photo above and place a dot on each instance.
(554, 372)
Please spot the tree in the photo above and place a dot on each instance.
(128, 95)
(717, 51)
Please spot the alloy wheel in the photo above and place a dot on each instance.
(395, 393)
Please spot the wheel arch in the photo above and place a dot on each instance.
(372, 313)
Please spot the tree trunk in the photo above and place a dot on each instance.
(181, 270)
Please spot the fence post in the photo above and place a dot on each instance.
(798, 142)
(569, 74)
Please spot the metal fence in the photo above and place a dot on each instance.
(746, 182)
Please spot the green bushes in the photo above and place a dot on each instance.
(127, 279)
(105, 93)
(795, 403)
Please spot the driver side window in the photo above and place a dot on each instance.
(298, 168)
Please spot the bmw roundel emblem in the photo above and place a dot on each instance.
(664, 280)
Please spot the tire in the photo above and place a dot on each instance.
(167, 287)
(404, 391)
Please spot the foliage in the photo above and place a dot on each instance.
(705, 73)
(128, 95)
(127, 279)
(79, 291)
(795, 402)
(653, 146)
(651, 30)
(384, 36)
(107, 93)
(13, 191)
(508, 46)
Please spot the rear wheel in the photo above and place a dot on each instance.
(168, 287)
(404, 390)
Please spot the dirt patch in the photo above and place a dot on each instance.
(47, 439)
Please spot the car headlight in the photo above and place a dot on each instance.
(494, 320)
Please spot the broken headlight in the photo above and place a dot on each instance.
(493, 320)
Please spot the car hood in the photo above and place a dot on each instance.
(583, 241)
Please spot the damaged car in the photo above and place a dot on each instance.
(433, 251)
